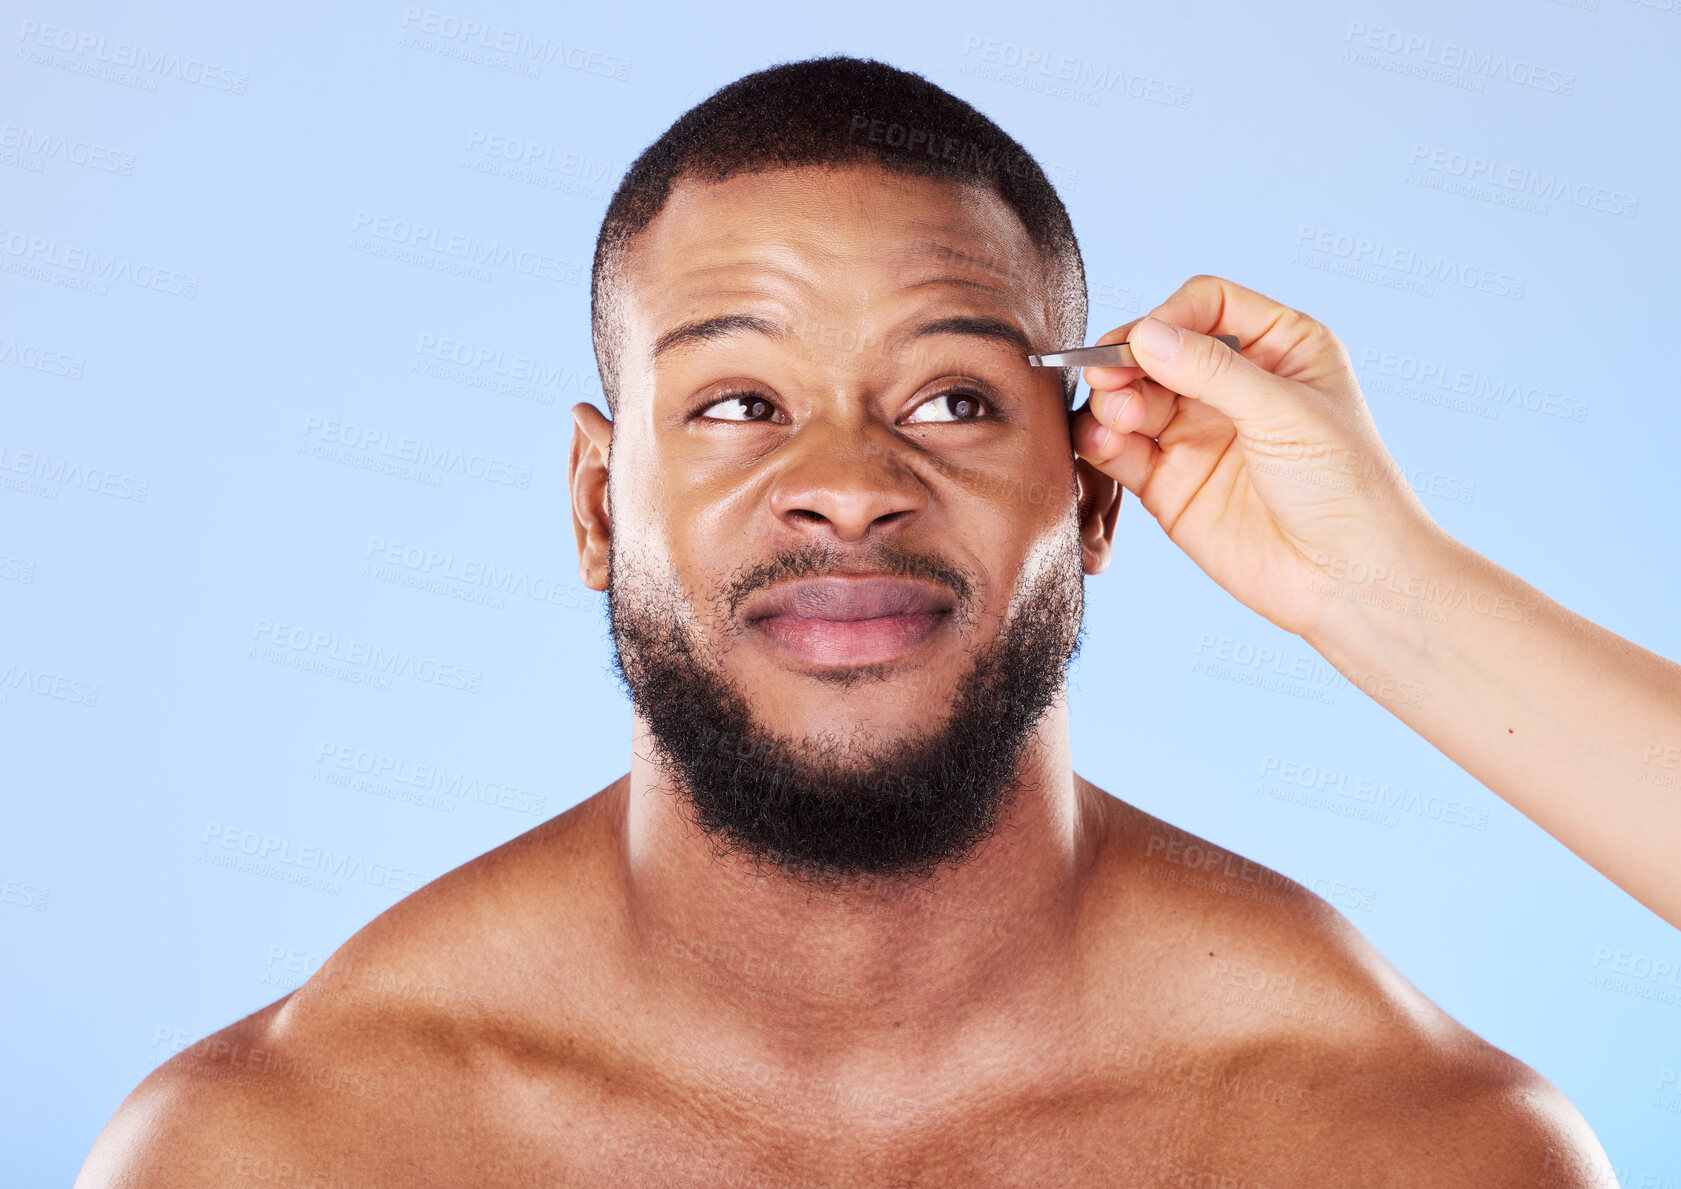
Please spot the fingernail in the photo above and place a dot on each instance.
(1131, 392)
(1160, 339)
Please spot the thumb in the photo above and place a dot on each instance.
(1203, 368)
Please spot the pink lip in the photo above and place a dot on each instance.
(850, 643)
(850, 621)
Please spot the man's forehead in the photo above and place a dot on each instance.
(793, 234)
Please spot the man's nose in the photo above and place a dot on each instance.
(848, 480)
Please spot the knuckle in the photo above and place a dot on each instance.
(1309, 326)
(1325, 345)
(1216, 362)
(1305, 341)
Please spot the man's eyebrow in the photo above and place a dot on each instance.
(705, 329)
(991, 328)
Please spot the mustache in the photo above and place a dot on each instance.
(818, 560)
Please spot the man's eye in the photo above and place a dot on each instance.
(949, 406)
(742, 406)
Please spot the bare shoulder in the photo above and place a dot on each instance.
(376, 1043)
(225, 1101)
(1369, 1081)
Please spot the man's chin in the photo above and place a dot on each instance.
(887, 778)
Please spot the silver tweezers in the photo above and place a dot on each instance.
(1108, 355)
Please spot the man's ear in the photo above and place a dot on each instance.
(1100, 505)
(586, 477)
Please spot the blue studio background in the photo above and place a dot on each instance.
(235, 282)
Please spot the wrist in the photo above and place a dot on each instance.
(1388, 598)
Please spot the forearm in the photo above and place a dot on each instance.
(1572, 725)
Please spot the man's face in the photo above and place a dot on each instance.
(845, 577)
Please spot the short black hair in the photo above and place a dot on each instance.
(836, 111)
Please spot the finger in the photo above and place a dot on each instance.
(1141, 406)
(1108, 376)
(1128, 458)
(1273, 335)
(1121, 410)
(1205, 369)
(1280, 339)
(1105, 376)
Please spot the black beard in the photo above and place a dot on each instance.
(820, 812)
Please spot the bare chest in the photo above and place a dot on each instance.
(1158, 1138)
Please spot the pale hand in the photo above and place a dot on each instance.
(1266, 467)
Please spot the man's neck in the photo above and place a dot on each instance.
(859, 963)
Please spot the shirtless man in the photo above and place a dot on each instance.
(851, 919)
